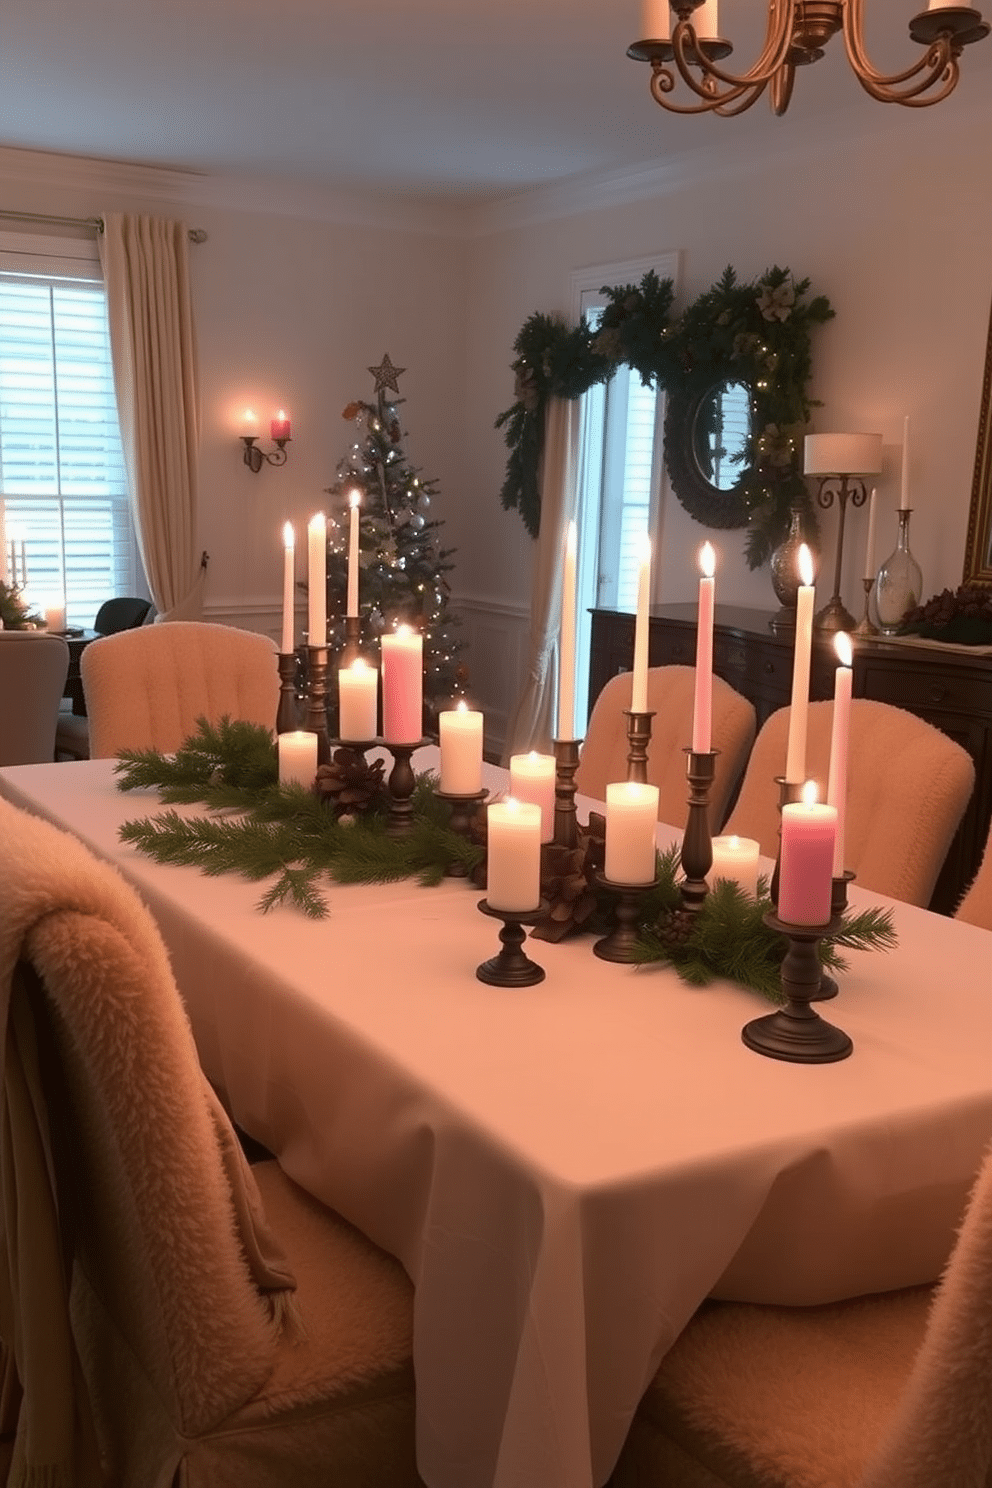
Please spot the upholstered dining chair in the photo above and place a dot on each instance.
(170, 1315)
(33, 669)
(885, 1391)
(908, 786)
(976, 906)
(146, 688)
(123, 612)
(671, 690)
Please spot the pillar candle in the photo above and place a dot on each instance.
(795, 766)
(736, 858)
(249, 424)
(806, 864)
(656, 20)
(642, 625)
(317, 579)
(403, 686)
(532, 778)
(280, 427)
(288, 589)
(904, 487)
(55, 617)
(839, 735)
(631, 823)
(358, 701)
(297, 757)
(513, 866)
(460, 732)
(354, 501)
(702, 708)
(870, 543)
(566, 648)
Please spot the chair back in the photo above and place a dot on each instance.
(671, 690)
(976, 906)
(908, 786)
(146, 688)
(121, 613)
(33, 669)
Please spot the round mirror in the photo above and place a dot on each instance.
(706, 443)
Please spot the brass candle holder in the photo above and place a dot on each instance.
(463, 809)
(287, 714)
(864, 628)
(401, 784)
(789, 792)
(838, 906)
(621, 943)
(512, 967)
(697, 845)
(351, 650)
(316, 710)
(638, 739)
(566, 764)
(796, 1033)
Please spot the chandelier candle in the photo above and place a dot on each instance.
(702, 707)
(631, 823)
(358, 702)
(809, 831)
(513, 870)
(460, 731)
(839, 736)
(532, 778)
(402, 686)
(317, 580)
(297, 758)
(566, 645)
(288, 582)
(354, 501)
(795, 765)
(736, 858)
(639, 687)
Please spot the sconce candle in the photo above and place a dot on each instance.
(358, 701)
(870, 543)
(249, 424)
(807, 860)
(513, 867)
(317, 579)
(795, 766)
(736, 858)
(702, 708)
(839, 737)
(631, 823)
(354, 501)
(566, 647)
(904, 485)
(460, 735)
(280, 426)
(288, 589)
(532, 778)
(402, 686)
(297, 757)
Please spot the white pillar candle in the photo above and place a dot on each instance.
(839, 737)
(288, 589)
(354, 501)
(532, 778)
(358, 702)
(904, 486)
(702, 707)
(736, 858)
(513, 866)
(55, 617)
(403, 686)
(317, 579)
(642, 627)
(460, 732)
(795, 764)
(656, 20)
(297, 757)
(807, 860)
(566, 645)
(870, 542)
(706, 20)
(631, 823)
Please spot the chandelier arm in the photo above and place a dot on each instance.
(663, 81)
(778, 41)
(939, 61)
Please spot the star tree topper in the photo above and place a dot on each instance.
(386, 374)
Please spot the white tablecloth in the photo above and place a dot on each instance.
(566, 1171)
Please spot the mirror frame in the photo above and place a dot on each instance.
(701, 499)
(978, 545)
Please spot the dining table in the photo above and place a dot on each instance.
(565, 1170)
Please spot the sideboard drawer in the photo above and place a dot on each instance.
(918, 690)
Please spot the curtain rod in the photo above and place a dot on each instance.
(95, 224)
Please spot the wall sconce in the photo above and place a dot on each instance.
(254, 455)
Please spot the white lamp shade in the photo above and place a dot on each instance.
(842, 454)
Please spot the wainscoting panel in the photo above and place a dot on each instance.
(496, 657)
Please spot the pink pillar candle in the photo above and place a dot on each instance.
(631, 824)
(513, 869)
(809, 831)
(280, 427)
(702, 707)
(403, 686)
(358, 702)
(532, 778)
(839, 737)
(288, 589)
(297, 758)
(460, 732)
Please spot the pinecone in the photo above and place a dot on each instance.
(674, 928)
(565, 885)
(349, 783)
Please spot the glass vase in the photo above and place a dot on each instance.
(784, 568)
(899, 584)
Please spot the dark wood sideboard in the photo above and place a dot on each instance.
(949, 688)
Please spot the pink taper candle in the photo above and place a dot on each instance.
(795, 765)
(807, 860)
(403, 686)
(288, 588)
(702, 708)
(839, 735)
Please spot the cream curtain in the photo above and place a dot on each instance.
(533, 718)
(146, 268)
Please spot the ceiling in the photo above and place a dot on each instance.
(461, 102)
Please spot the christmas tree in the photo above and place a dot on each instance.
(402, 565)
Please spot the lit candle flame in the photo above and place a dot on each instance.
(810, 793)
(843, 647)
(288, 535)
(805, 564)
(355, 498)
(707, 560)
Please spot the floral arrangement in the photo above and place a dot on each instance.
(14, 613)
(962, 616)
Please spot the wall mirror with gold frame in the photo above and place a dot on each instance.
(978, 546)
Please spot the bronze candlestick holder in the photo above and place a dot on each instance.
(401, 785)
(316, 711)
(838, 906)
(463, 809)
(566, 764)
(352, 648)
(865, 628)
(512, 967)
(638, 739)
(788, 793)
(835, 615)
(697, 845)
(621, 943)
(796, 1033)
(287, 715)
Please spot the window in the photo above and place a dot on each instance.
(62, 481)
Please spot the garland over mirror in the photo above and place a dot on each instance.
(735, 366)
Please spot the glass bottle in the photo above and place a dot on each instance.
(899, 584)
(784, 569)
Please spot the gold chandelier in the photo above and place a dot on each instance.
(797, 32)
